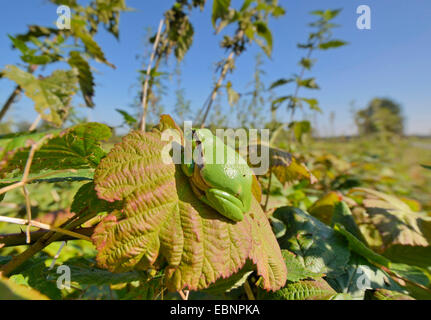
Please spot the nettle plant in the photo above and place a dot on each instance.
(144, 228)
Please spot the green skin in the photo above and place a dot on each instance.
(225, 187)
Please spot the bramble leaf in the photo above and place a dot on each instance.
(316, 245)
(315, 289)
(85, 76)
(163, 224)
(77, 147)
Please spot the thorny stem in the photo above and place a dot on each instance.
(147, 78)
(19, 239)
(41, 225)
(45, 240)
(9, 101)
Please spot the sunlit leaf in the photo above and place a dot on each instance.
(51, 95)
(162, 222)
(394, 219)
(9, 290)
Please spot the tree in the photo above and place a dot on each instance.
(382, 115)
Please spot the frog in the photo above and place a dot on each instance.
(225, 186)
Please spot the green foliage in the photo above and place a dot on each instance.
(318, 247)
(75, 148)
(9, 290)
(51, 95)
(85, 77)
(314, 289)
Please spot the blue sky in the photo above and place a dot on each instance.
(393, 59)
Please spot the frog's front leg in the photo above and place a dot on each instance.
(225, 203)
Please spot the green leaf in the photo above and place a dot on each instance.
(308, 83)
(316, 289)
(129, 119)
(360, 248)
(318, 247)
(300, 128)
(84, 272)
(413, 255)
(9, 290)
(86, 202)
(343, 216)
(220, 10)
(163, 221)
(91, 47)
(75, 148)
(295, 269)
(275, 103)
(313, 104)
(383, 294)
(331, 44)
(426, 166)
(412, 273)
(51, 95)
(20, 45)
(327, 14)
(85, 76)
(233, 282)
(232, 95)
(358, 276)
(279, 82)
(323, 208)
(33, 273)
(307, 63)
(264, 32)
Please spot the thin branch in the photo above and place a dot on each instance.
(217, 86)
(147, 78)
(45, 226)
(22, 182)
(9, 101)
(29, 215)
(47, 239)
(268, 190)
(19, 239)
(6, 106)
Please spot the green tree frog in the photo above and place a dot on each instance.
(223, 184)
